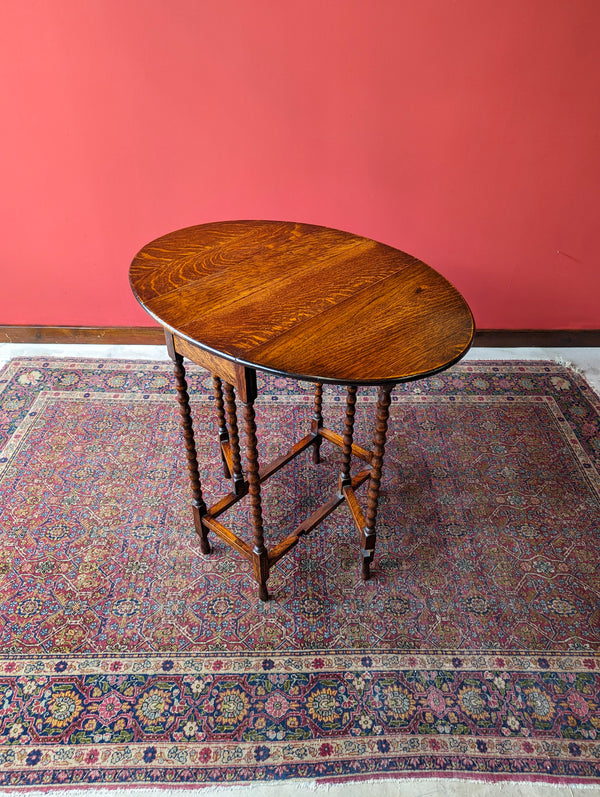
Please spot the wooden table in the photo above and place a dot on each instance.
(306, 302)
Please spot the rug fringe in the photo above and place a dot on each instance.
(257, 789)
(576, 369)
(568, 364)
(378, 787)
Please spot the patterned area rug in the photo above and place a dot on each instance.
(129, 658)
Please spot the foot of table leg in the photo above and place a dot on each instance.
(345, 480)
(383, 411)
(198, 505)
(202, 532)
(365, 572)
(317, 423)
(260, 559)
(263, 593)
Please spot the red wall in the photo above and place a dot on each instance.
(463, 131)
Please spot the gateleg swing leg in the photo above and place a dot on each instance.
(369, 536)
(234, 440)
(317, 423)
(260, 556)
(223, 433)
(344, 479)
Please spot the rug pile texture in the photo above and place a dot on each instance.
(127, 657)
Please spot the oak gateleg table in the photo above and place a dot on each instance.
(306, 302)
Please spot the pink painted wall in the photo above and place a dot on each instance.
(466, 132)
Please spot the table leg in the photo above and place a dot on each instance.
(223, 433)
(260, 558)
(317, 423)
(234, 440)
(198, 505)
(383, 411)
(345, 480)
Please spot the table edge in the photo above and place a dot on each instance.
(306, 377)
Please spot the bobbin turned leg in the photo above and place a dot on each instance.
(317, 423)
(383, 411)
(234, 440)
(198, 505)
(260, 557)
(345, 480)
(223, 433)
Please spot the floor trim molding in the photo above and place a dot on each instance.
(543, 338)
(115, 336)
(493, 338)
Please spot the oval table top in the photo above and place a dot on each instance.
(303, 301)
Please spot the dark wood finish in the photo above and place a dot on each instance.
(260, 558)
(317, 423)
(218, 366)
(227, 502)
(218, 391)
(338, 440)
(232, 451)
(223, 433)
(344, 480)
(265, 472)
(227, 536)
(153, 336)
(318, 516)
(278, 551)
(198, 505)
(301, 301)
(282, 297)
(246, 383)
(355, 509)
(227, 458)
(170, 344)
(537, 338)
(369, 535)
(116, 336)
(241, 377)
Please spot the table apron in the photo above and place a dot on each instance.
(241, 377)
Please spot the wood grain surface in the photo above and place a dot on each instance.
(154, 336)
(303, 301)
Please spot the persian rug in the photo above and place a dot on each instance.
(127, 657)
